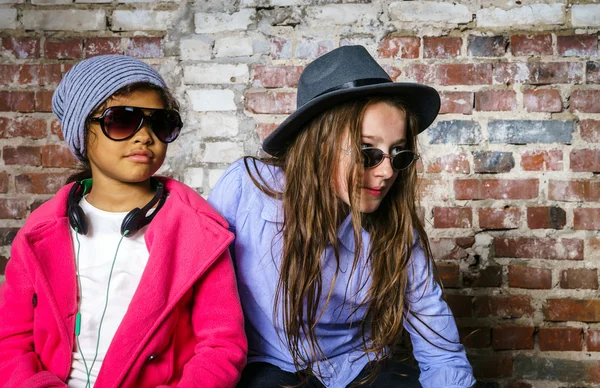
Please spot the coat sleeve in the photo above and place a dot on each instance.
(220, 352)
(432, 329)
(19, 364)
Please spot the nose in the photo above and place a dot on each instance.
(384, 169)
(144, 134)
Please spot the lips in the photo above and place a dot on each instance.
(140, 156)
(374, 191)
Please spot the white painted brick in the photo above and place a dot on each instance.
(142, 20)
(218, 125)
(288, 3)
(222, 152)
(149, 1)
(75, 20)
(342, 14)
(534, 14)
(50, 2)
(8, 19)
(216, 74)
(193, 177)
(11, 2)
(585, 15)
(429, 11)
(213, 177)
(204, 100)
(196, 49)
(93, 1)
(233, 47)
(211, 22)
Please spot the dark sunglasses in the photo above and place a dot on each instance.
(400, 160)
(122, 122)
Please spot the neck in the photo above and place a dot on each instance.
(114, 196)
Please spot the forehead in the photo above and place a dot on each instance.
(143, 98)
(385, 122)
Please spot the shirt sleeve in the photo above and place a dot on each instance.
(432, 329)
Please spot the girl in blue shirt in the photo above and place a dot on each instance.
(332, 261)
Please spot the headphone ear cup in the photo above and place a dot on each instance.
(77, 219)
(130, 222)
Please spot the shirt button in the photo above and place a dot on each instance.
(152, 357)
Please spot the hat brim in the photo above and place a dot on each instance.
(423, 100)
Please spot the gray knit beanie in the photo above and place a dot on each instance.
(87, 85)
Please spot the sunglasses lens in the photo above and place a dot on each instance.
(121, 122)
(372, 157)
(166, 124)
(403, 159)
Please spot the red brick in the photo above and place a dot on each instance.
(17, 101)
(281, 48)
(56, 129)
(3, 262)
(587, 101)
(590, 130)
(490, 276)
(63, 49)
(495, 100)
(499, 218)
(459, 304)
(144, 47)
(577, 45)
(550, 160)
(574, 190)
(452, 217)
(475, 337)
(22, 47)
(582, 310)
(506, 306)
(496, 189)
(406, 47)
(22, 155)
(511, 337)
(542, 100)
(464, 74)
(3, 182)
(450, 248)
(13, 208)
(521, 276)
(433, 189)
(492, 161)
(560, 339)
(592, 72)
(268, 76)
(40, 182)
(271, 102)
(451, 163)
(579, 278)
(102, 46)
(422, 73)
(457, 102)
(592, 340)
(539, 73)
(531, 44)
(18, 75)
(539, 248)
(546, 217)
(492, 366)
(586, 219)
(587, 160)
(445, 47)
(448, 274)
(7, 235)
(54, 155)
(23, 127)
(264, 129)
(43, 100)
(392, 71)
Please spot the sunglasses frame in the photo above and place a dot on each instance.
(148, 117)
(391, 158)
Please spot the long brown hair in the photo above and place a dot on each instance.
(312, 215)
(84, 169)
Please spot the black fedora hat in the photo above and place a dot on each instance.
(343, 74)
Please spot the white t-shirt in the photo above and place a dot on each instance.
(96, 253)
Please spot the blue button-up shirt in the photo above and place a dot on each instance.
(256, 220)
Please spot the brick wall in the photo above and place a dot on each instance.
(510, 168)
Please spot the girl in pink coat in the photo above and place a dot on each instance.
(100, 295)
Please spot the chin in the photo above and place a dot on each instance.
(369, 208)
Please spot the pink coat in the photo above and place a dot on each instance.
(184, 326)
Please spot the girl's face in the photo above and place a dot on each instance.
(133, 160)
(383, 127)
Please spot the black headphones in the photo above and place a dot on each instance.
(135, 220)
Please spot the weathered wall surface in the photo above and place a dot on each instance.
(509, 172)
